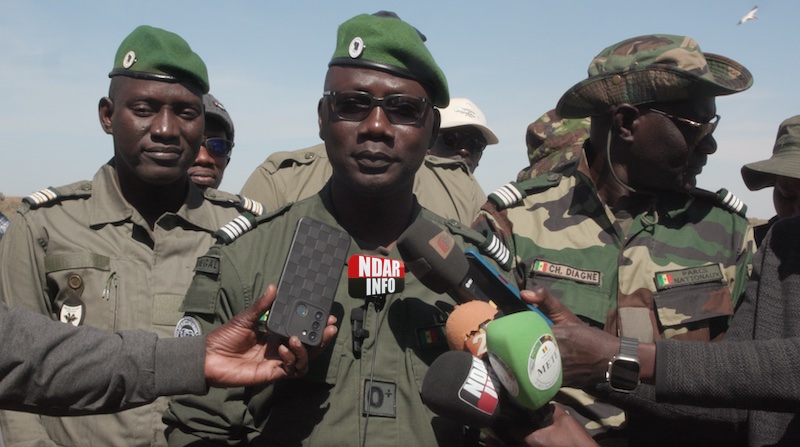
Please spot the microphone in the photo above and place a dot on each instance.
(432, 255)
(524, 355)
(458, 386)
(463, 388)
(466, 327)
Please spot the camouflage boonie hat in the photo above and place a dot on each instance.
(384, 42)
(155, 54)
(785, 159)
(554, 144)
(652, 68)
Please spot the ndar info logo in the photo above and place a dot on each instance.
(372, 276)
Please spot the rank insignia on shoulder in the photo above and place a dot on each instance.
(252, 206)
(42, 196)
(188, 327)
(507, 195)
(731, 202)
(237, 227)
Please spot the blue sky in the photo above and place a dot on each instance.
(267, 61)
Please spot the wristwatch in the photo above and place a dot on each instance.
(623, 369)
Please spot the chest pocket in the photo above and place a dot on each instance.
(81, 287)
(693, 299)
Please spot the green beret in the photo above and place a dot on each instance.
(386, 43)
(652, 68)
(785, 160)
(159, 55)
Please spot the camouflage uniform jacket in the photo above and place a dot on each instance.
(325, 407)
(83, 255)
(441, 185)
(678, 272)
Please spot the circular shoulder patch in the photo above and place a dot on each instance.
(356, 47)
(188, 327)
(129, 59)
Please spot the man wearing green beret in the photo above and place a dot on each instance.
(620, 233)
(443, 185)
(117, 252)
(781, 171)
(377, 119)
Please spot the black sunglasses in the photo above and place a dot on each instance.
(458, 139)
(399, 108)
(218, 147)
(699, 130)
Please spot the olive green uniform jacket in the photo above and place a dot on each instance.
(441, 185)
(326, 406)
(83, 255)
(677, 272)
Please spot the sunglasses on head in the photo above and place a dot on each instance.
(458, 139)
(218, 147)
(698, 130)
(357, 106)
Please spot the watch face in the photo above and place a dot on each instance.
(623, 375)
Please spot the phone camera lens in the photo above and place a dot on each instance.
(315, 326)
(318, 316)
(312, 336)
(301, 310)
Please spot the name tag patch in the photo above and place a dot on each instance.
(688, 276)
(207, 264)
(565, 271)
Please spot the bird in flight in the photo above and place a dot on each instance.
(749, 16)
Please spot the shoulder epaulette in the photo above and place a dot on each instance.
(53, 195)
(250, 205)
(245, 222)
(729, 201)
(241, 202)
(723, 199)
(513, 193)
(285, 159)
(487, 244)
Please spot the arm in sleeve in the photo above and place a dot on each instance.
(53, 368)
(221, 415)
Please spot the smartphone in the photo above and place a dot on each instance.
(490, 285)
(309, 280)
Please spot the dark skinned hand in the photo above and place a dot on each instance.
(236, 355)
(564, 431)
(585, 351)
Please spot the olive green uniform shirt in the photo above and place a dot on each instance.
(441, 185)
(326, 406)
(83, 255)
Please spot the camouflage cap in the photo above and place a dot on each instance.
(215, 110)
(553, 143)
(785, 159)
(652, 68)
(384, 42)
(159, 55)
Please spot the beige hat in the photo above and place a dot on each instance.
(463, 112)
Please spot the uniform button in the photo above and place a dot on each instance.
(616, 79)
(75, 281)
(553, 176)
(309, 155)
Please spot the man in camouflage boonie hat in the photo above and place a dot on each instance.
(781, 171)
(616, 228)
(377, 120)
(118, 252)
(553, 141)
(653, 68)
